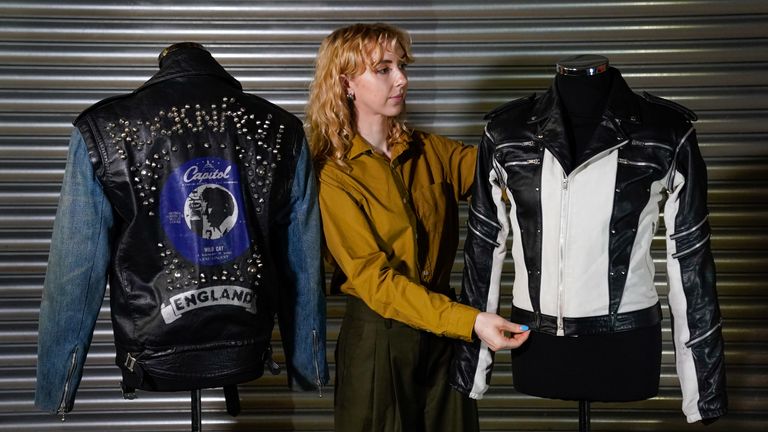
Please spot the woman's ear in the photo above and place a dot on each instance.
(344, 81)
(346, 85)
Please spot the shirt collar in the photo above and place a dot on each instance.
(360, 146)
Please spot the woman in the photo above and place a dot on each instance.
(389, 204)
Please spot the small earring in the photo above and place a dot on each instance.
(351, 97)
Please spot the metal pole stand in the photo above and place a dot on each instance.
(197, 415)
(584, 416)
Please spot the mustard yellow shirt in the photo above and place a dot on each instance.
(392, 228)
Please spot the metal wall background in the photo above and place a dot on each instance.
(56, 58)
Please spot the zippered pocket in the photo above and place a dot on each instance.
(640, 164)
(522, 162)
(516, 144)
(652, 144)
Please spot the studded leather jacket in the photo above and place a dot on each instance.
(582, 231)
(214, 230)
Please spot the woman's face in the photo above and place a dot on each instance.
(380, 92)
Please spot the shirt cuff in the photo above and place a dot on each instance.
(462, 322)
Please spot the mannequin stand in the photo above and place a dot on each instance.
(231, 396)
(584, 416)
(197, 417)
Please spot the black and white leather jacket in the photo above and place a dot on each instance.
(582, 231)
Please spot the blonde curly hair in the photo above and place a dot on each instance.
(347, 52)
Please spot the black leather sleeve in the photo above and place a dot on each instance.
(697, 332)
(485, 243)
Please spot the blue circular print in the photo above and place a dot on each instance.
(201, 207)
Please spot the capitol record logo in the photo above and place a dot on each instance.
(201, 207)
(194, 174)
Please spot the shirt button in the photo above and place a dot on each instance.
(425, 273)
(405, 200)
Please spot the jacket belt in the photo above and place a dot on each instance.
(593, 325)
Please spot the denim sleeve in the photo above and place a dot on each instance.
(74, 282)
(302, 310)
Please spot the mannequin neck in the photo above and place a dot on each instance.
(583, 99)
(584, 96)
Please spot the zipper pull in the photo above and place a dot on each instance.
(565, 184)
(270, 363)
(560, 328)
(130, 362)
(316, 349)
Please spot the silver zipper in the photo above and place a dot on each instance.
(316, 349)
(637, 163)
(691, 249)
(654, 144)
(63, 404)
(523, 162)
(688, 231)
(477, 233)
(472, 209)
(693, 342)
(564, 195)
(516, 144)
(564, 201)
(673, 166)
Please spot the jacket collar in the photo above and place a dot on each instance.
(185, 62)
(547, 117)
(622, 102)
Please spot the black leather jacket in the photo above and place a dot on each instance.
(582, 232)
(200, 175)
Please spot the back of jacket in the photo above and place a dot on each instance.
(215, 230)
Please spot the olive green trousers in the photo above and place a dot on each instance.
(393, 378)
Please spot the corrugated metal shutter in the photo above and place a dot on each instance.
(56, 58)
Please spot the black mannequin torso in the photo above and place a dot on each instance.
(583, 99)
(619, 367)
(622, 366)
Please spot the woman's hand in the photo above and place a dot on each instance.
(492, 329)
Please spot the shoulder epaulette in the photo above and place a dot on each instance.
(690, 115)
(100, 104)
(500, 109)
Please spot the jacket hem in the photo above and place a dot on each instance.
(593, 325)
